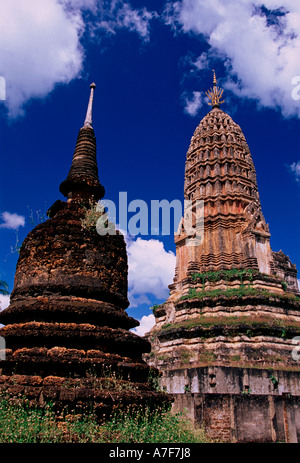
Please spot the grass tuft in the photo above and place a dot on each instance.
(20, 423)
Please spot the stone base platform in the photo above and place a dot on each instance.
(239, 404)
(243, 418)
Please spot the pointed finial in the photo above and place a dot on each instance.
(88, 117)
(215, 79)
(215, 94)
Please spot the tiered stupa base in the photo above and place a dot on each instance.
(78, 380)
(68, 338)
(225, 344)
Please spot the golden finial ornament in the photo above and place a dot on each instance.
(215, 94)
(215, 79)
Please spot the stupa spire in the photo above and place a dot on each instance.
(215, 93)
(83, 180)
(88, 117)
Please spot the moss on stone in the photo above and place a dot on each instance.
(233, 326)
(237, 292)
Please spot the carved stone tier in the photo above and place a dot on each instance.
(254, 330)
(220, 172)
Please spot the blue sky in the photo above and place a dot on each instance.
(152, 63)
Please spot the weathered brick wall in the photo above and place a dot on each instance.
(243, 417)
(216, 416)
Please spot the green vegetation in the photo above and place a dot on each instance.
(234, 274)
(20, 423)
(207, 357)
(91, 222)
(4, 288)
(241, 291)
(274, 381)
(247, 391)
(227, 275)
(92, 214)
(245, 274)
(37, 217)
(154, 379)
(155, 307)
(245, 324)
(284, 285)
(184, 354)
(237, 292)
(147, 427)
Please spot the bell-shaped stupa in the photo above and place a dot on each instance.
(67, 333)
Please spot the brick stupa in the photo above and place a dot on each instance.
(225, 336)
(68, 337)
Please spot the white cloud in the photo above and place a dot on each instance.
(134, 20)
(115, 14)
(202, 61)
(12, 221)
(40, 42)
(80, 4)
(146, 323)
(259, 41)
(194, 103)
(40, 47)
(298, 284)
(295, 169)
(150, 270)
(4, 301)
